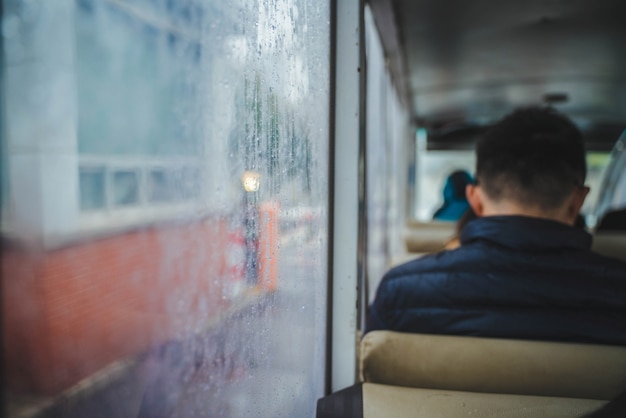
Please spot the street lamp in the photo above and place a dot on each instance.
(251, 181)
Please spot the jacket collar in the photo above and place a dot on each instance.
(521, 232)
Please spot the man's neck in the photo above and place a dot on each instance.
(505, 208)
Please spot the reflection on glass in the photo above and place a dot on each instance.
(92, 188)
(125, 188)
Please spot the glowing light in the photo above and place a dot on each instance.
(251, 181)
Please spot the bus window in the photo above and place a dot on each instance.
(144, 272)
(612, 193)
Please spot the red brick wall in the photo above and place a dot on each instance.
(69, 312)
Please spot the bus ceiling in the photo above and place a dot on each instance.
(461, 64)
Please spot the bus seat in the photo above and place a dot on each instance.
(428, 237)
(610, 244)
(489, 365)
(374, 400)
(418, 375)
(613, 220)
(401, 402)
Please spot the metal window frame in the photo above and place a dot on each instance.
(346, 192)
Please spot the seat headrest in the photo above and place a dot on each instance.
(610, 244)
(493, 365)
(428, 237)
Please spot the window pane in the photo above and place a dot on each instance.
(125, 188)
(160, 188)
(92, 189)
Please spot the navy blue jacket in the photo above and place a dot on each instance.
(512, 277)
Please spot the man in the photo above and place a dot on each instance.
(522, 270)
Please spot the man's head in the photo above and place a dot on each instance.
(530, 163)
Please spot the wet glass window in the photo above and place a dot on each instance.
(157, 150)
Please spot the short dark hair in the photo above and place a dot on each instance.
(535, 156)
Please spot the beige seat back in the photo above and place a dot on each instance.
(493, 365)
(610, 244)
(428, 237)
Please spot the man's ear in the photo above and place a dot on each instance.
(576, 202)
(474, 196)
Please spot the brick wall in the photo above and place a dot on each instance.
(69, 312)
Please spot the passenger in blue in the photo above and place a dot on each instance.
(522, 270)
(454, 200)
